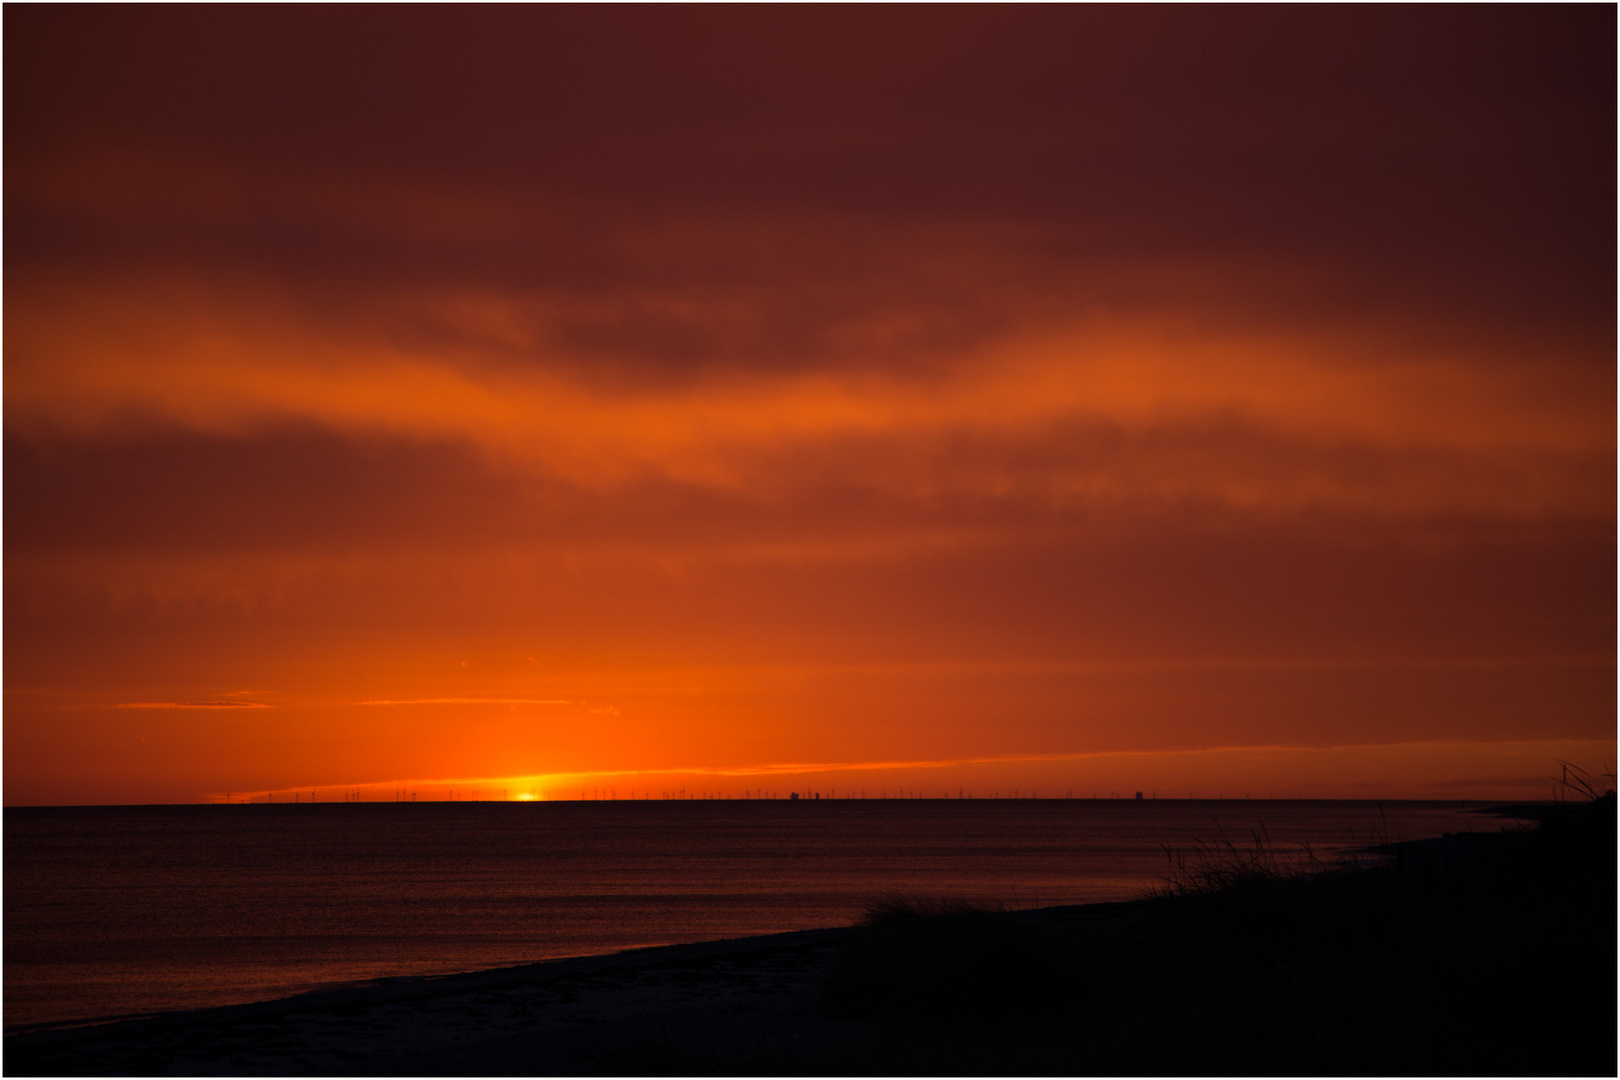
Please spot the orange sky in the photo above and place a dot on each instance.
(548, 400)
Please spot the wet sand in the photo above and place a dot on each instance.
(745, 1000)
(745, 1006)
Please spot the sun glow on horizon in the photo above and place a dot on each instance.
(1445, 771)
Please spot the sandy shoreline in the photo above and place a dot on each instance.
(561, 1016)
(388, 986)
(751, 996)
(742, 1005)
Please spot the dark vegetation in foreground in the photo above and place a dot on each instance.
(1485, 954)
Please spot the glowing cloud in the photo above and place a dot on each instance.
(194, 705)
(472, 701)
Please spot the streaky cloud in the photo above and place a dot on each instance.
(473, 701)
(194, 705)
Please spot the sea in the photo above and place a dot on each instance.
(135, 910)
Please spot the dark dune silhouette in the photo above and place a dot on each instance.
(1473, 953)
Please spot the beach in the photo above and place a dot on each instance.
(747, 1005)
(583, 1016)
(131, 911)
(1342, 971)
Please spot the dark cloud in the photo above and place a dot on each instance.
(1464, 154)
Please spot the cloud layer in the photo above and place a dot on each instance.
(520, 357)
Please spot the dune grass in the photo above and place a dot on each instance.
(1490, 954)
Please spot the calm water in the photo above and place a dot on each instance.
(119, 910)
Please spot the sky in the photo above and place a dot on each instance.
(560, 402)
